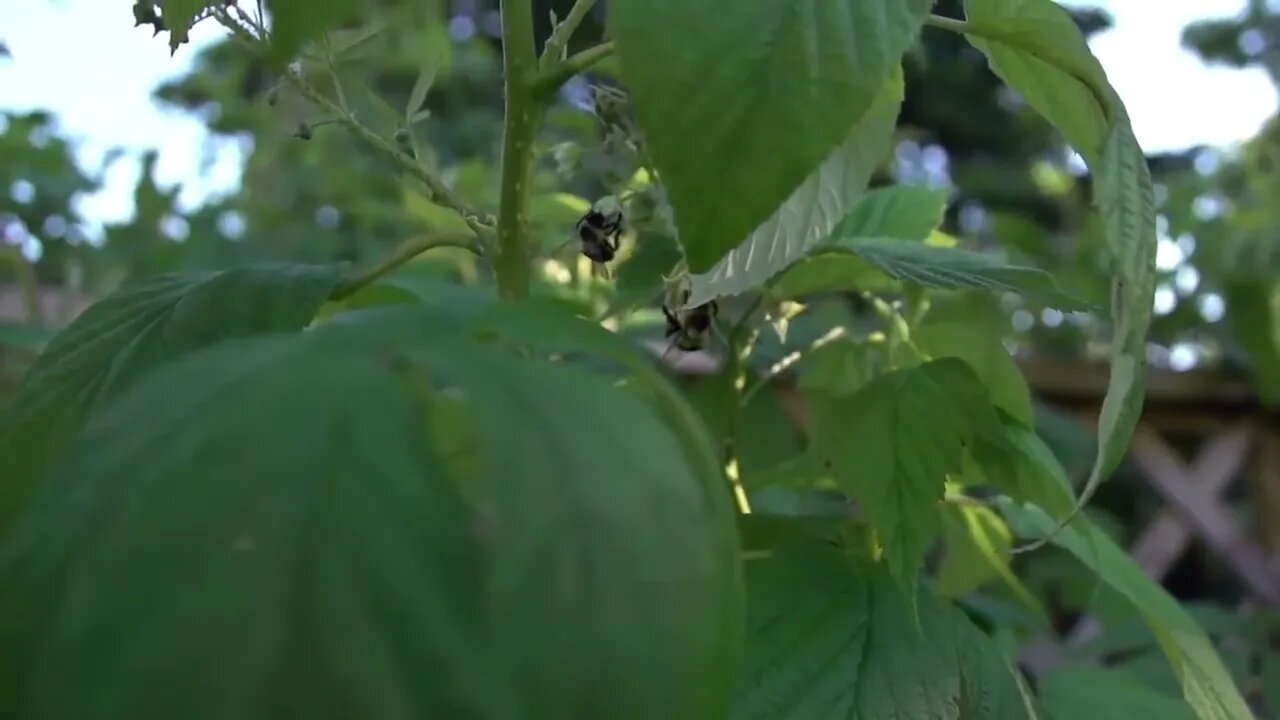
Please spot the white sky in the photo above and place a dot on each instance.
(83, 60)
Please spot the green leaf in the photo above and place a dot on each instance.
(1255, 324)
(892, 444)
(978, 543)
(433, 57)
(905, 212)
(813, 211)
(272, 528)
(1096, 693)
(1037, 49)
(24, 336)
(827, 271)
(839, 367)
(986, 356)
(740, 103)
(833, 637)
(179, 15)
(1023, 467)
(1206, 683)
(131, 332)
(955, 269)
(295, 22)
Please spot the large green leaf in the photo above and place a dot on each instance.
(740, 102)
(284, 527)
(1035, 46)
(134, 330)
(813, 211)
(832, 637)
(1206, 683)
(892, 443)
(1070, 693)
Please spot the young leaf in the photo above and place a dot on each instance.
(294, 22)
(281, 494)
(1069, 693)
(986, 356)
(741, 102)
(978, 543)
(893, 442)
(1206, 683)
(131, 332)
(1039, 51)
(434, 55)
(811, 212)
(179, 16)
(955, 269)
(828, 637)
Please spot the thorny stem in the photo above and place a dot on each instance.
(558, 74)
(402, 255)
(553, 51)
(520, 63)
(441, 193)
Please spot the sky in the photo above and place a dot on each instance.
(84, 61)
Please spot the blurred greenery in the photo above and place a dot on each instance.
(1010, 183)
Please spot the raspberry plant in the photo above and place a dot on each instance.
(292, 491)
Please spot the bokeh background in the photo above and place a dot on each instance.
(119, 160)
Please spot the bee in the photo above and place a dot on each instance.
(599, 232)
(689, 328)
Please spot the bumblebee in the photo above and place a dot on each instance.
(690, 328)
(599, 232)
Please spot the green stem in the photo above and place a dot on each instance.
(558, 74)
(440, 192)
(402, 255)
(563, 31)
(946, 23)
(520, 62)
(789, 362)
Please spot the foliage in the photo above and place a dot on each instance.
(297, 470)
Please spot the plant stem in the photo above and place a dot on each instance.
(563, 31)
(402, 255)
(789, 362)
(558, 74)
(520, 63)
(946, 23)
(440, 192)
